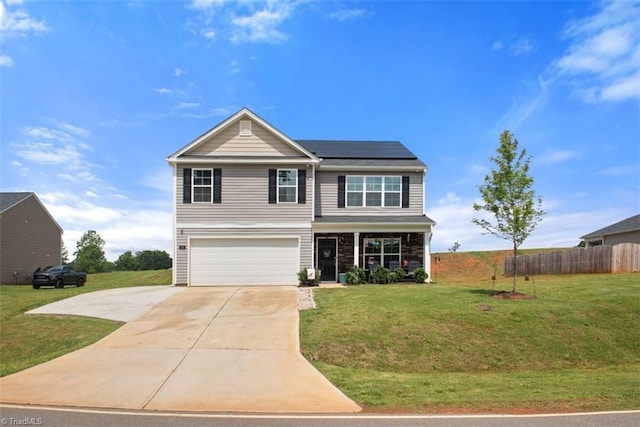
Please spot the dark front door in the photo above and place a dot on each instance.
(327, 258)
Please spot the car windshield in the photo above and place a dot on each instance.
(54, 270)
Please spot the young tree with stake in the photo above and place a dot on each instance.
(507, 194)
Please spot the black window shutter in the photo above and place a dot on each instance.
(302, 186)
(217, 185)
(341, 186)
(186, 185)
(405, 191)
(273, 185)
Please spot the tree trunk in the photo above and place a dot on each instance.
(515, 269)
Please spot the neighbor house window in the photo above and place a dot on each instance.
(202, 187)
(287, 185)
(381, 251)
(373, 191)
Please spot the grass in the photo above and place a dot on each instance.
(576, 346)
(26, 341)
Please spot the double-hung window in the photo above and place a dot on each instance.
(287, 185)
(381, 251)
(202, 186)
(373, 191)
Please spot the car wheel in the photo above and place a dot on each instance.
(80, 283)
(59, 284)
(36, 286)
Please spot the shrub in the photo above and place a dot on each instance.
(380, 275)
(399, 274)
(303, 278)
(419, 275)
(356, 276)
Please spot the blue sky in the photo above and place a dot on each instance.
(95, 95)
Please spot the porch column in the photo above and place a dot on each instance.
(427, 254)
(356, 248)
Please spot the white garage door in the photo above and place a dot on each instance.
(233, 262)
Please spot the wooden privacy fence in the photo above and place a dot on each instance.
(624, 257)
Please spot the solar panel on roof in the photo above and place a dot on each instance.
(357, 149)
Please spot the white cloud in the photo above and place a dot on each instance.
(178, 72)
(208, 33)
(207, 4)
(261, 26)
(186, 105)
(558, 156)
(221, 111)
(56, 146)
(234, 66)
(160, 180)
(520, 47)
(168, 91)
(162, 90)
(6, 61)
(621, 89)
(603, 59)
(497, 45)
(454, 213)
(18, 22)
(619, 170)
(523, 107)
(348, 14)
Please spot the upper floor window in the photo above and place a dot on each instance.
(202, 186)
(287, 185)
(373, 191)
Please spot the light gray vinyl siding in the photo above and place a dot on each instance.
(30, 239)
(245, 198)
(260, 143)
(182, 239)
(630, 237)
(245, 201)
(327, 195)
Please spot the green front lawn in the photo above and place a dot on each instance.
(431, 348)
(26, 341)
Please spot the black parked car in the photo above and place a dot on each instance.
(58, 276)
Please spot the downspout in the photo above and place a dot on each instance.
(174, 270)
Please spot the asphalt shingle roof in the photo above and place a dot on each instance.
(9, 199)
(399, 219)
(624, 226)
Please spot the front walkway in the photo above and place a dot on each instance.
(201, 349)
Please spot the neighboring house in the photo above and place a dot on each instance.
(253, 206)
(625, 231)
(29, 237)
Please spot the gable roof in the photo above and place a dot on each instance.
(9, 200)
(340, 153)
(243, 113)
(624, 226)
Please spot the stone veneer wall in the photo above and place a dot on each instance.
(411, 249)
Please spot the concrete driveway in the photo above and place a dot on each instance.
(196, 349)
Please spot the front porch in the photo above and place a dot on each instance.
(337, 252)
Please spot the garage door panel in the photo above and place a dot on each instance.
(233, 262)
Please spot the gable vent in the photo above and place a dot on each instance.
(245, 127)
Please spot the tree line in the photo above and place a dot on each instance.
(90, 257)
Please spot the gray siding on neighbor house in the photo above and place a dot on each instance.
(244, 198)
(630, 237)
(182, 240)
(29, 239)
(327, 195)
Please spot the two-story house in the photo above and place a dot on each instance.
(253, 206)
